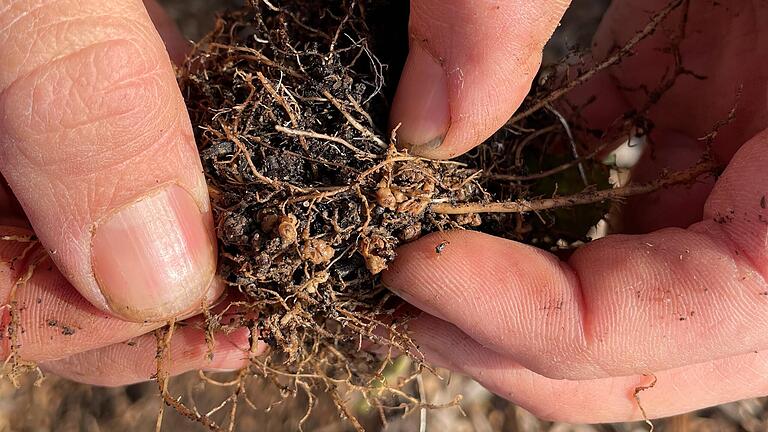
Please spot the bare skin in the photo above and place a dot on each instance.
(684, 299)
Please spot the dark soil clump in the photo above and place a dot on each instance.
(312, 197)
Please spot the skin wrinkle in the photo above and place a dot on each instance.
(154, 146)
(684, 290)
(729, 239)
(752, 367)
(668, 328)
(143, 84)
(156, 141)
(492, 337)
(551, 328)
(49, 68)
(715, 371)
(176, 125)
(582, 311)
(506, 309)
(119, 86)
(103, 207)
(25, 13)
(120, 26)
(530, 42)
(65, 22)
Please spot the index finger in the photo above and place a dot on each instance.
(621, 305)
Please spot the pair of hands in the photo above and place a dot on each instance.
(97, 148)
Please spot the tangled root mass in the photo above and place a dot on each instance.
(311, 198)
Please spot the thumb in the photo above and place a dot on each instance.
(96, 144)
(471, 63)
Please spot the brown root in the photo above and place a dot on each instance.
(14, 366)
(589, 197)
(611, 60)
(636, 396)
(163, 359)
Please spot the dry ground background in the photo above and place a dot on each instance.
(59, 405)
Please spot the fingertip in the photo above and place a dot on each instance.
(108, 93)
(136, 360)
(494, 290)
(427, 271)
(470, 66)
(421, 109)
(441, 257)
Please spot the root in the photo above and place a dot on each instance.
(14, 367)
(310, 203)
(364, 130)
(612, 60)
(163, 357)
(339, 402)
(636, 396)
(311, 134)
(523, 206)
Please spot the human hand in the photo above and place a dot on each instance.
(685, 299)
(97, 147)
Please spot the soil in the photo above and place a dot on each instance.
(61, 405)
(312, 196)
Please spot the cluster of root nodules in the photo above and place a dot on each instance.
(311, 197)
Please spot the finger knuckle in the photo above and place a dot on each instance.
(87, 105)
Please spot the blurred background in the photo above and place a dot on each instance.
(60, 405)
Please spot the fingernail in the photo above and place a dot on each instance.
(154, 259)
(421, 104)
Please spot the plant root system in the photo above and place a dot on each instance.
(312, 196)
